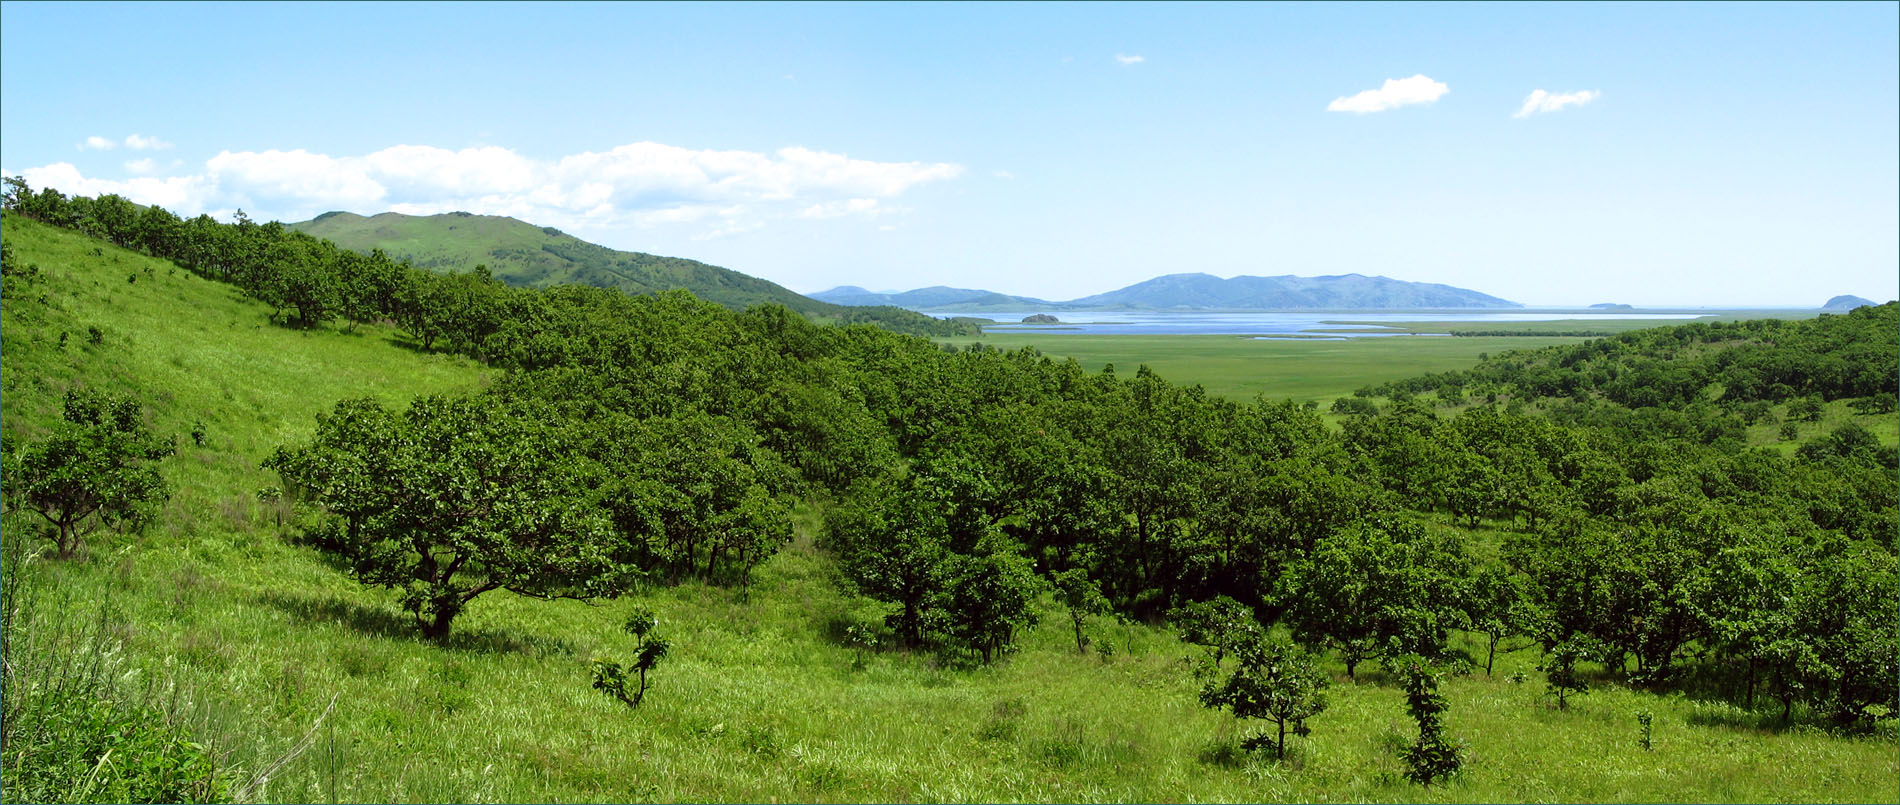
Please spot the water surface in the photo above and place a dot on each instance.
(1324, 324)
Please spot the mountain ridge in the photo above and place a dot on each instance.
(521, 253)
(1201, 291)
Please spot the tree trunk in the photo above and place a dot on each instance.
(68, 541)
(438, 626)
(1279, 747)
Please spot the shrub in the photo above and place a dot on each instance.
(1434, 756)
(649, 650)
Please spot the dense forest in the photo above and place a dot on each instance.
(1598, 503)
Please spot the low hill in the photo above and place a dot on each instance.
(1288, 292)
(1847, 302)
(524, 255)
(936, 297)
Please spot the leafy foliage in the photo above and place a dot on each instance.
(454, 498)
(1275, 681)
(1434, 756)
(1081, 597)
(95, 467)
(649, 649)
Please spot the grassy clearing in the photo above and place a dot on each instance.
(247, 638)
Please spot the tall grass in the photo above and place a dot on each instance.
(75, 724)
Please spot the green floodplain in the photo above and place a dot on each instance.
(214, 627)
(1318, 369)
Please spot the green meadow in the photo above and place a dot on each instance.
(257, 646)
(1240, 367)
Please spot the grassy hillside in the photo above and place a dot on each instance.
(247, 638)
(525, 255)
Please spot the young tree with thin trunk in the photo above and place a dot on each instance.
(1276, 681)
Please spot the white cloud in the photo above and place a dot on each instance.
(190, 194)
(639, 185)
(421, 168)
(255, 177)
(97, 144)
(1395, 93)
(1540, 101)
(1002, 174)
(838, 209)
(140, 142)
(1127, 59)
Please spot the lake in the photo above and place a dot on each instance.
(1325, 324)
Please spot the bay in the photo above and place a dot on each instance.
(1326, 324)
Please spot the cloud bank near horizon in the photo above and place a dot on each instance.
(642, 184)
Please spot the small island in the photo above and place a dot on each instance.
(1041, 318)
(1846, 302)
(1610, 306)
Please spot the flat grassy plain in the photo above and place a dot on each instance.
(1239, 367)
(216, 616)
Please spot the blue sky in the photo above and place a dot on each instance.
(1701, 154)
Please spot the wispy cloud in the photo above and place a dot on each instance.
(140, 142)
(136, 142)
(1127, 59)
(1539, 101)
(841, 208)
(636, 185)
(1395, 93)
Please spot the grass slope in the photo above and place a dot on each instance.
(248, 638)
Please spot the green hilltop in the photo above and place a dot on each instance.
(524, 255)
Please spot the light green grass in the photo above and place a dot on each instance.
(249, 638)
(1239, 368)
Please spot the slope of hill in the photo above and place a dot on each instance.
(525, 255)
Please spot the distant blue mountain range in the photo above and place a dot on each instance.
(1197, 292)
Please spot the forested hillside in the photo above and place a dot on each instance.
(861, 546)
(320, 280)
(523, 255)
